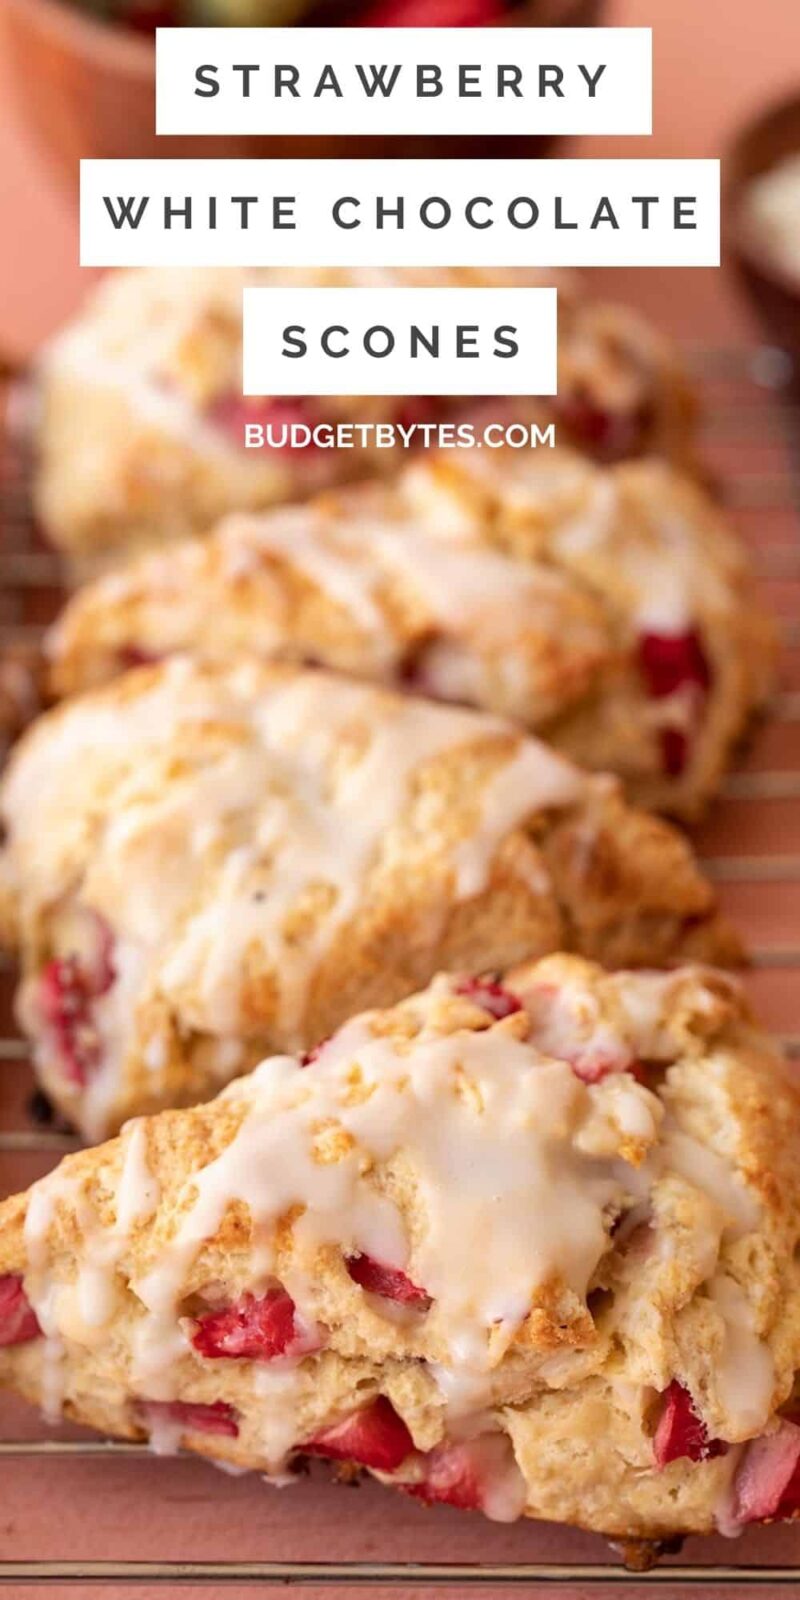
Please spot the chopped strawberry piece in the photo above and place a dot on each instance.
(387, 1281)
(491, 997)
(373, 1437)
(789, 1506)
(681, 1432)
(218, 1417)
(593, 1068)
(253, 1329)
(610, 435)
(450, 1479)
(18, 1320)
(767, 1484)
(231, 413)
(670, 661)
(424, 14)
(476, 1475)
(68, 987)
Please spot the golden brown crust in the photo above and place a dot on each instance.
(608, 609)
(661, 1105)
(130, 453)
(210, 862)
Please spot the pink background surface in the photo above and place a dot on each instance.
(715, 63)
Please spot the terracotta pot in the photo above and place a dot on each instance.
(88, 90)
(775, 295)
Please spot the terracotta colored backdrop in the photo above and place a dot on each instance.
(715, 62)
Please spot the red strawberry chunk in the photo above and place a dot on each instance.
(373, 1437)
(231, 413)
(218, 1417)
(611, 435)
(594, 1068)
(18, 1320)
(476, 1475)
(767, 1484)
(431, 14)
(681, 1432)
(451, 1479)
(254, 1328)
(670, 661)
(68, 987)
(387, 1281)
(491, 997)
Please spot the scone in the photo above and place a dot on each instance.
(142, 424)
(527, 1249)
(202, 864)
(609, 609)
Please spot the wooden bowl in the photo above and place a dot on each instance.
(88, 89)
(761, 145)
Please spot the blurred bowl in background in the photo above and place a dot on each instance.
(88, 89)
(773, 284)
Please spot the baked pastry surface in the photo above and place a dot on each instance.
(141, 432)
(609, 609)
(203, 863)
(529, 1249)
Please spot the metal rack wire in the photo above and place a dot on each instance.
(750, 846)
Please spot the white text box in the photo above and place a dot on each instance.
(400, 341)
(400, 213)
(296, 81)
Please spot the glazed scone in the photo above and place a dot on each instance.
(698, 652)
(608, 609)
(527, 1249)
(142, 418)
(202, 864)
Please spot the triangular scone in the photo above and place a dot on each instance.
(609, 610)
(528, 1248)
(204, 864)
(141, 439)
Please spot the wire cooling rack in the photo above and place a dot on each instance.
(90, 1513)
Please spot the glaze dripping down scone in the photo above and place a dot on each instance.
(527, 1248)
(142, 425)
(205, 863)
(608, 609)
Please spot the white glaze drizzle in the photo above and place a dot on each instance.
(744, 1372)
(518, 1123)
(468, 587)
(634, 533)
(543, 1155)
(80, 1312)
(41, 1291)
(303, 789)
